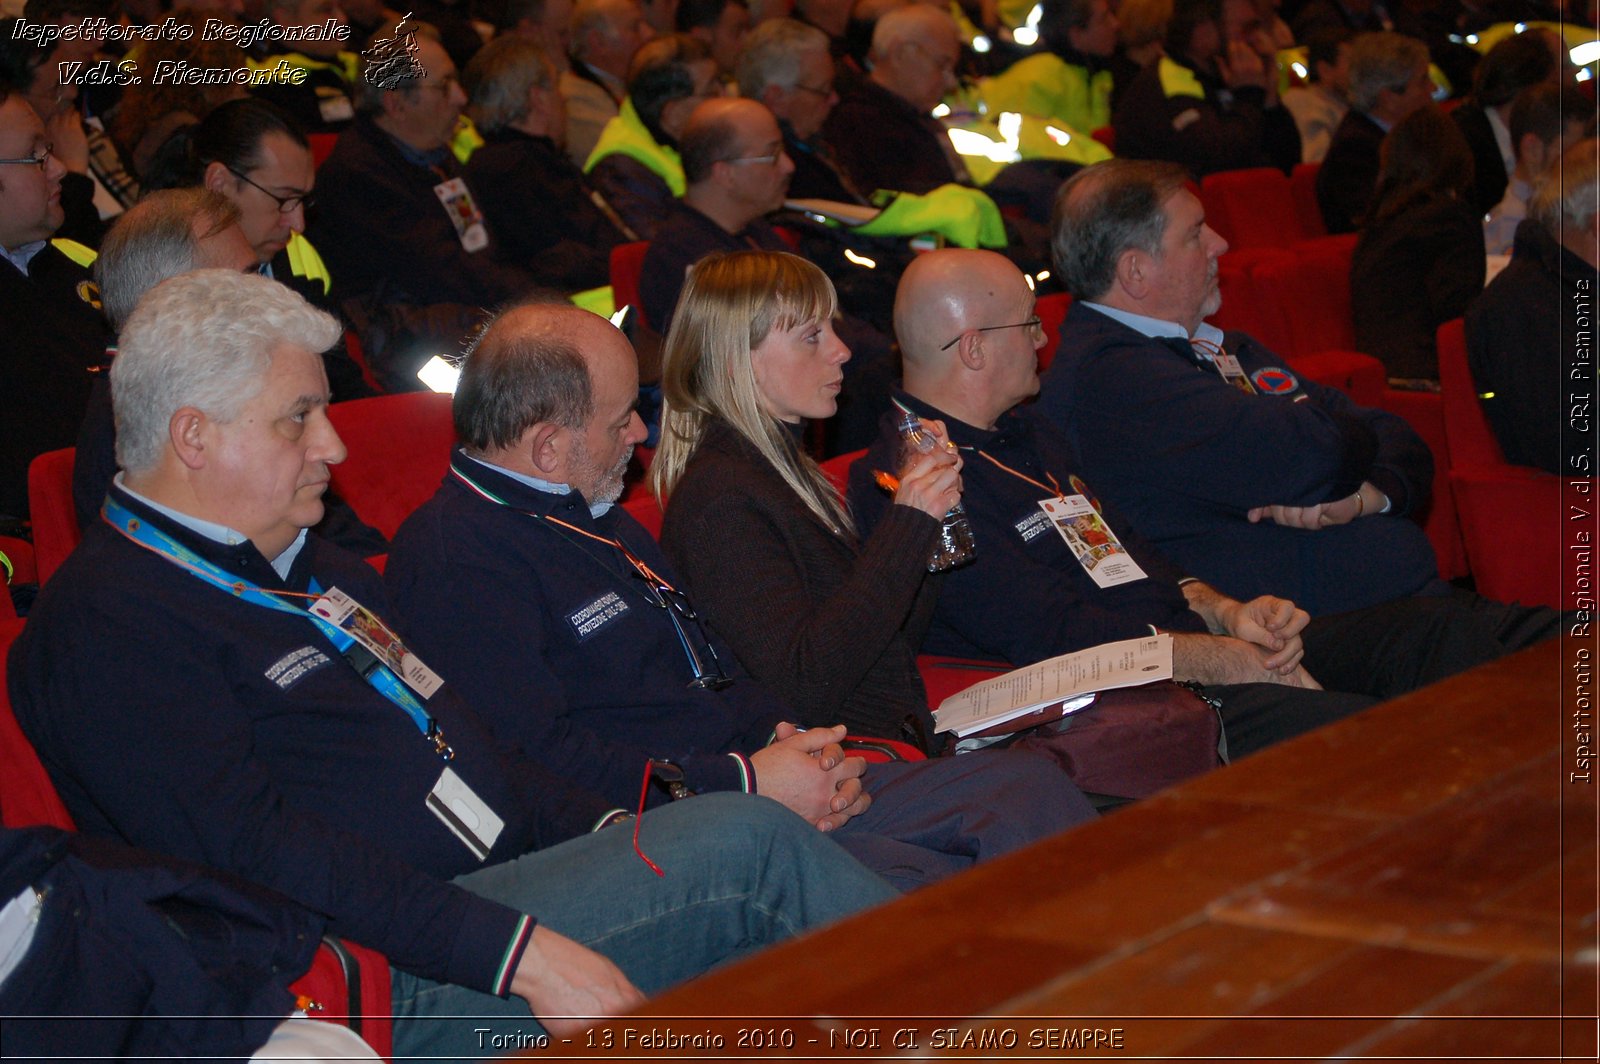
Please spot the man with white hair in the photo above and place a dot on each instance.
(605, 34)
(882, 130)
(1530, 343)
(283, 731)
(786, 65)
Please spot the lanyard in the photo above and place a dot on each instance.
(661, 593)
(1053, 486)
(377, 675)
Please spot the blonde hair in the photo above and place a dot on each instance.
(730, 304)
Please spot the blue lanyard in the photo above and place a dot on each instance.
(380, 677)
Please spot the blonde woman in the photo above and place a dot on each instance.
(827, 620)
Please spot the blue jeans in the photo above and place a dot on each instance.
(741, 872)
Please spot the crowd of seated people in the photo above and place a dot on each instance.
(854, 213)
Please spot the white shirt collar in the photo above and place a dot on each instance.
(228, 537)
(1155, 327)
(549, 487)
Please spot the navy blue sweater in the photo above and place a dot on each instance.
(591, 679)
(1185, 455)
(190, 722)
(1024, 597)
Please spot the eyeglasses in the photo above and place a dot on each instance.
(286, 204)
(444, 84)
(1032, 324)
(36, 160)
(770, 160)
(825, 91)
(683, 616)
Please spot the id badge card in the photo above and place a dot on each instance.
(468, 817)
(1091, 541)
(463, 212)
(1232, 372)
(366, 628)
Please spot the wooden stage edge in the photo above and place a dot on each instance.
(1417, 882)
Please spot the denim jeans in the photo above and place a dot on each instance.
(740, 872)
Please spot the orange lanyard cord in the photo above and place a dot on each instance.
(1054, 484)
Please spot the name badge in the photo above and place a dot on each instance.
(1232, 372)
(1091, 541)
(468, 817)
(368, 629)
(463, 213)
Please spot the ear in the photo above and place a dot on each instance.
(1132, 272)
(186, 430)
(216, 177)
(972, 351)
(547, 445)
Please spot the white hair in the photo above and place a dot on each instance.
(202, 339)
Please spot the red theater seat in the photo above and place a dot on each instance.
(399, 451)
(54, 518)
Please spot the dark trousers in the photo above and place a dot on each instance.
(1399, 646)
(1257, 715)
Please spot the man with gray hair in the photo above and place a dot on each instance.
(1529, 338)
(1246, 476)
(543, 212)
(1388, 80)
(881, 129)
(787, 65)
(400, 226)
(605, 35)
(167, 233)
(284, 732)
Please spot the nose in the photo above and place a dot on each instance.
(296, 219)
(54, 168)
(637, 433)
(785, 164)
(326, 447)
(1218, 245)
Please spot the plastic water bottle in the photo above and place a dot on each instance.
(955, 546)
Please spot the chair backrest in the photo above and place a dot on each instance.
(1052, 311)
(1251, 208)
(644, 509)
(1303, 187)
(321, 146)
(1472, 442)
(627, 263)
(1312, 289)
(399, 451)
(27, 797)
(54, 518)
(837, 468)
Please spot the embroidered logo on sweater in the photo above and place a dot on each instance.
(295, 665)
(596, 615)
(1271, 380)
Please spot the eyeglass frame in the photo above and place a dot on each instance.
(680, 610)
(770, 160)
(300, 199)
(1031, 323)
(33, 160)
(824, 93)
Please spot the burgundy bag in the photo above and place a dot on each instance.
(1131, 743)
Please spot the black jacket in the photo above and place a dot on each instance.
(1349, 172)
(1226, 129)
(1527, 347)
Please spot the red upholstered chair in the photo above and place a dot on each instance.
(837, 468)
(644, 509)
(1251, 208)
(321, 146)
(627, 263)
(1052, 311)
(1303, 187)
(54, 518)
(1510, 515)
(341, 972)
(399, 451)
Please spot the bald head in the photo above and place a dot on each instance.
(964, 320)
